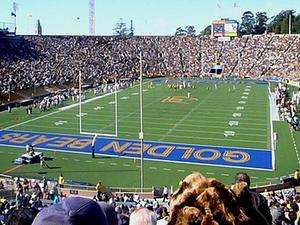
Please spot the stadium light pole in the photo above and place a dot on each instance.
(290, 23)
(141, 134)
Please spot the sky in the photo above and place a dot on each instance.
(150, 17)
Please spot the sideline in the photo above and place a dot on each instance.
(13, 169)
(63, 109)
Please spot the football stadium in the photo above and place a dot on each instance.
(189, 127)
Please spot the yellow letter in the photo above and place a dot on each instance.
(234, 156)
(115, 145)
(23, 138)
(61, 142)
(81, 143)
(136, 148)
(188, 151)
(6, 137)
(165, 153)
(43, 139)
(216, 154)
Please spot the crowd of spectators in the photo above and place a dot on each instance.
(286, 105)
(34, 61)
(41, 201)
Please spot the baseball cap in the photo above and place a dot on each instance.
(72, 211)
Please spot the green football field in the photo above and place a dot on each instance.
(238, 110)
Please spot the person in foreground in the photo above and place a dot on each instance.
(77, 211)
(206, 201)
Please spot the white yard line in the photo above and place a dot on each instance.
(153, 128)
(126, 165)
(210, 173)
(153, 168)
(205, 138)
(225, 174)
(28, 121)
(63, 109)
(186, 116)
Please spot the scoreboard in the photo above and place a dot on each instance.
(224, 28)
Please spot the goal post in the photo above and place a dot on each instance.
(81, 113)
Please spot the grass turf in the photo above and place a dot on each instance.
(202, 120)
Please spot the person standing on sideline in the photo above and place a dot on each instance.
(61, 181)
(93, 146)
(297, 177)
(165, 193)
(42, 161)
(99, 188)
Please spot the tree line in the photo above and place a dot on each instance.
(260, 23)
(251, 23)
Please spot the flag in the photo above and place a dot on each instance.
(218, 5)
(78, 18)
(235, 5)
(13, 14)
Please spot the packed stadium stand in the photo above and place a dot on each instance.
(35, 61)
(197, 199)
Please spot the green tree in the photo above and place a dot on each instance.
(180, 32)
(296, 24)
(248, 22)
(190, 30)
(120, 28)
(131, 29)
(260, 22)
(206, 31)
(38, 27)
(280, 23)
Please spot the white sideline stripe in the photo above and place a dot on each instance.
(126, 164)
(272, 178)
(167, 169)
(152, 168)
(295, 146)
(254, 177)
(155, 160)
(211, 173)
(86, 101)
(65, 158)
(88, 161)
(77, 160)
(28, 121)
(101, 162)
(113, 164)
(49, 114)
(61, 110)
(181, 170)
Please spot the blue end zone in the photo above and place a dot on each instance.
(181, 153)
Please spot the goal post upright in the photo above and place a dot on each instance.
(80, 103)
(115, 109)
